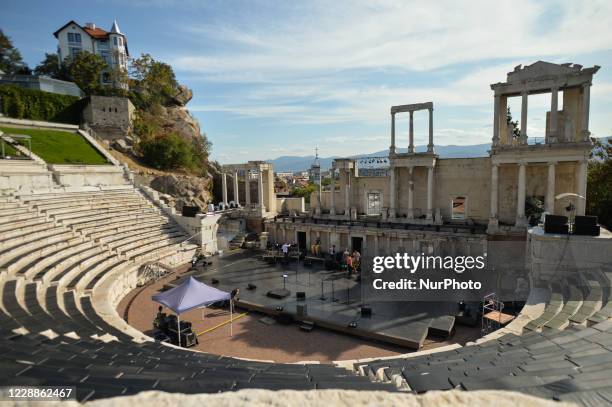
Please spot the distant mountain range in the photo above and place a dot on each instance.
(302, 163)
(296, 163)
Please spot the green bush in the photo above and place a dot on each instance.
(168, 152)
(22, 103)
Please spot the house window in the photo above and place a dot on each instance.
(120, 41)
(115, 41)
(459, 207)
(373, 203)
(75, 51)
(106, 57)
(106, 79)
(74, 37)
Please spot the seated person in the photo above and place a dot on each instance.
(160, 319)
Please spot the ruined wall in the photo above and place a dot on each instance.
(467, 177)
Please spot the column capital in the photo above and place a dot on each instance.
(552, 163)
(495, 165)
(522, 163)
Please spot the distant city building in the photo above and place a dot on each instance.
(72, 39)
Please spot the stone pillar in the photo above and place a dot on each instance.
(247, 187)
(524, 108)
(332, 210)
(347, 193)
(586, 96)
(410, 213)
(520, 203)
(411, 133)
(392, 192)
(554, 107)
(260, 191)
(550, 189)
(392, 148)
(375, 245)
(318, 208)
(494, 194)
(496, 120)
(224, 187)
(430, 180)
(430, 146)
(582, 187)
(236, 193)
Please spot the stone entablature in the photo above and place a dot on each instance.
(568, 125)
(411, 108)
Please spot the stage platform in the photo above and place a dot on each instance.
(332, 300)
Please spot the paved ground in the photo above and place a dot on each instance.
(254, 339)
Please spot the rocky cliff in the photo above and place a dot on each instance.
(181, 188)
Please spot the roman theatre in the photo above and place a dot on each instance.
(85, 248)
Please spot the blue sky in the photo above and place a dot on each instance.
(279, 78)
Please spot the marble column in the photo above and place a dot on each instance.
(586, 92)
(411, 133)
(224, 187)
(410, 213)
(582, 187)
(524, 108)
(430, 146)
(550, 189)
(554, 107)
(392, 192)
(520, 203)
(496, 120)
(494, 192)
(430, 180)
(236, 192)
(332, 209)
(260, 191)
(247, 187)
(347, 193)
(392, 148)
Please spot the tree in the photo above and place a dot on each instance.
(599, 182)
(305, 191)
(86, 70)
(516, 131)
(51, 66)
(153, 82)
(10, 57)
(168, 152)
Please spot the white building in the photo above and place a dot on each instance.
(111, 45)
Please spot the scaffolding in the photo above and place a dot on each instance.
(492, 317)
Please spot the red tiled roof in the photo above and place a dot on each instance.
(96, 32)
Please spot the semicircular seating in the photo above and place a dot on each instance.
(56, 251)
(63, 255)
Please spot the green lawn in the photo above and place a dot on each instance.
(59, 147)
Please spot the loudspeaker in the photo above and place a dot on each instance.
(302, 310)
(586, 230)
(366, 311)
(214, 281)
(585, 221)
(300, 295)
(190, 211)
(251, 286)
(556, 224)
(556, 229)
